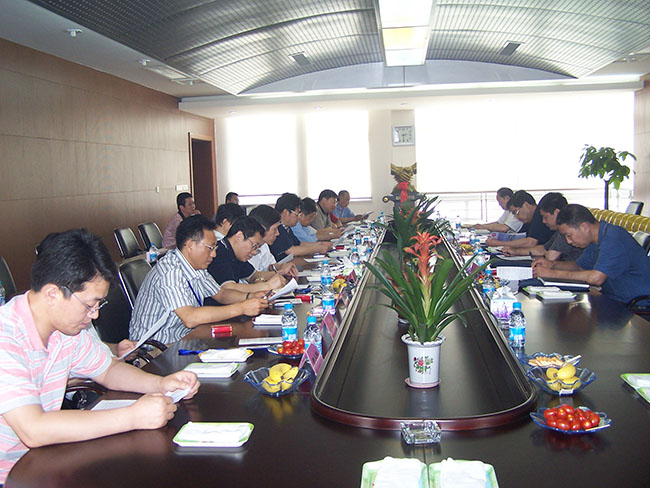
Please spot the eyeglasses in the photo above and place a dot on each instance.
(294, 212)
(256, 246)
(212, 248)
(516, 212)
(91, 310)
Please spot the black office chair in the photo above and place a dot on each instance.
(643, 238)
(7, 279)
(634, 208)
(132, 274)
(126, 242)
(150, 232)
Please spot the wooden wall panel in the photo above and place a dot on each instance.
(79, 148)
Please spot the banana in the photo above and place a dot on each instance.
(278, 370)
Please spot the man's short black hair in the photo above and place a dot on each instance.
(307, 206)
(192, 229)
(180, 199)
(341, 193)
(265, 215)
(228, 211)
(326, 194)
(552, 201)
(573, 215)
(248, 226)
(287, 201)
(505, 192)
(520, 197)
(230, 195)
(71, 259)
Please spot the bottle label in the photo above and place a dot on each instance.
(328, 305)
(290, 333)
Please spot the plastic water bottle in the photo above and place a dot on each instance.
(517, 336)
(312, 334)
(489, 287)
(357, 237)
(289, 323)
(354, 257)
(327, 299)
(457, 223)
(381, 219)
(3, 298)
(325, 275)
(152, 254)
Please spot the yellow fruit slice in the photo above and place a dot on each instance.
(566, 372)
(290, 374)
(286, 384)
(551, 373)
(278, 370)
(271, 385)
(554, 385)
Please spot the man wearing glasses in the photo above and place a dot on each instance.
(230, 267)
(176, 288)
(524, 207)
(44, 340)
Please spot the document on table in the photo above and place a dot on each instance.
(286, 289)
(514, 258)
(111, 404)
(286, 259)
(514, 273)
(151, 331)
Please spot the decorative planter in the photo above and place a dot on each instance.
(402, 322)
(424, 362)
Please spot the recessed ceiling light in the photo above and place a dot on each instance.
(73, 32)
(144, 62)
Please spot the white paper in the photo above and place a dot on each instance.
(315, 260)
(286, 259)
(513, 273)
(268, 319)
(639, 381)
(224, 355)
(260, 341)
(537, 289)
(462, 474)
(288, 288)
(399, 473)
(226, 434)
(514, 258)
(111, 404)
(177, 395)
(212, 370)
(151, 331)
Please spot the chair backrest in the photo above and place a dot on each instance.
(634, 208)
(132, 274)
(7, 279)
(126, 242)
(150, 232)
(113, 322)
(643, 238)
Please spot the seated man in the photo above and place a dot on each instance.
(303, 229)
(556, 248)
(230, 267)
(288, 206)
(523, 206)
(232, 197)
(342, 210)
(224, 218)
(186, 208)
(507, 222)
(611, 258)
(324, 208)
(176, 287)
(44, 340)
(264, 260)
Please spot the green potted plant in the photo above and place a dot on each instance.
(605, 163)
(421, 292)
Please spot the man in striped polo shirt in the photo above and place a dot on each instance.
(44, 340)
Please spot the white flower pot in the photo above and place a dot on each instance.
(424, 362)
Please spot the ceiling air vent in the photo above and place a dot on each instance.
(301, 59)
(509, 48)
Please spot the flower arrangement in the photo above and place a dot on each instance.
(419, 289)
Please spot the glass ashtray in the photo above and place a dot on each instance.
(425, 432)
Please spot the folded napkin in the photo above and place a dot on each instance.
(268, 319)
(400, 473)
(639, 381)
(211, 433)
(556, 294)
(462, 474)
(225, 355)
(212, 370)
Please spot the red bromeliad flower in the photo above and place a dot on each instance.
(423, 249)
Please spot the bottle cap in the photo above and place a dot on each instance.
(516, 305)
(288, 306)
(311, 319)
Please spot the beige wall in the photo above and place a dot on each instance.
(642, 145)
(82, 148)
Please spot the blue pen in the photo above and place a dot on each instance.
(187, 352)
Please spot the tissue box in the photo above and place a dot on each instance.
(501, 305)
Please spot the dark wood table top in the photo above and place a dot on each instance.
(292, 445)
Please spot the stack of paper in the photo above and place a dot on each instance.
(225, 355)
(555, 295)
(213, 434)
(462, 474)
(402, 473)
(266, 319)
(212, 370)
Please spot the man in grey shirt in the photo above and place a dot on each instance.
(175, 288)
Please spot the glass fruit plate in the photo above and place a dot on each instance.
(257, 379)
(538, 418)
(274, 350)
(558, 387)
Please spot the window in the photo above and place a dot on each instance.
(337, 152)
(261, 155)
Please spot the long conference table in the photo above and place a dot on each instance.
(324, 433)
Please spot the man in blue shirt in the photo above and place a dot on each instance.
(342, 210)
(611, 258)
(303, 229)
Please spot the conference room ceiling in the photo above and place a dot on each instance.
(240, 45)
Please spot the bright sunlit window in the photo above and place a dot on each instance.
(524, 141)
(337, 152)
(261, 154)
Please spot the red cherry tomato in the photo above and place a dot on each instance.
(550, 413)
(301, 342)
(561, 413)
(575, 425)
(586, 424)
(552, 422)
(567, 408)
(563, 425)
(286, 344)
(595, 419)
(570, 418)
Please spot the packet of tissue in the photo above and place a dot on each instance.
(401, 473)
(452, 473)
(501, 304)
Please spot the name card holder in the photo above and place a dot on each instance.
(312, 356)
